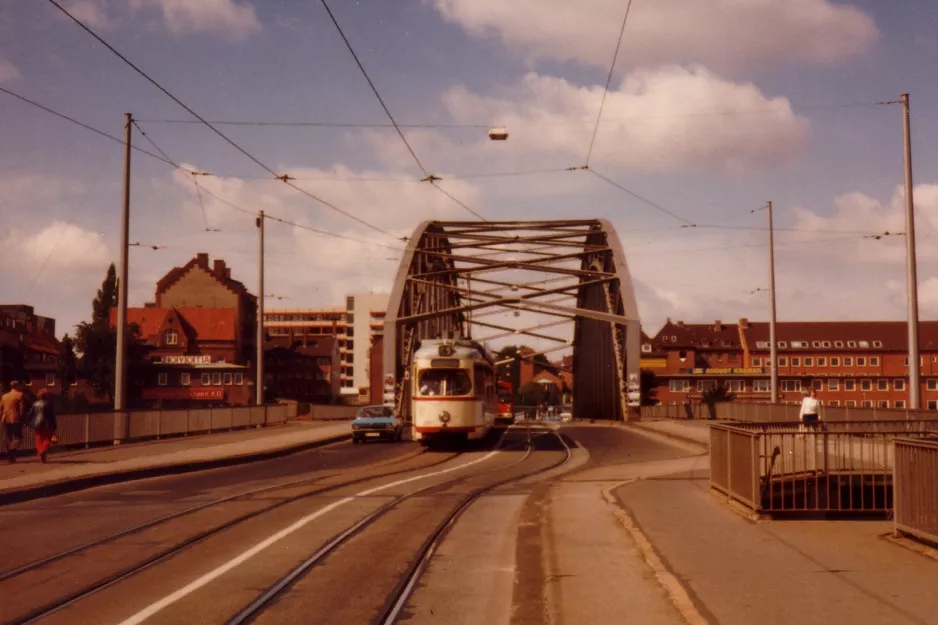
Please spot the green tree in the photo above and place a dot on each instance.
(68, 362)
(511, 370)
(715, 395)
(97, 341)
(532, 394)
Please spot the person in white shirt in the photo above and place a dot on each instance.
(810, 407)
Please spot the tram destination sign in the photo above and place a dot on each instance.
(729, 371)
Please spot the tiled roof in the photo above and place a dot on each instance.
(211, 324)
(887, 335)
(699, 334)
(149, 320)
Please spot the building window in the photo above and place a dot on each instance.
(833, 403)
(821, 361)
(877, 344)
(932, 384)
(239, 378)
(835, 361)
(170, 337)
(826, 344)
(162, 379)
(850, 404)
(882, 385)
(706, 385)
(839, 344)
(851, 344)
(833, 385)
(932, 404)
(808, 361)
(900, 404)
(791, 386)
(850, 385)
(50, 379)
(185, 379)
(866, 385)
(646, 347)
(757, 362)
(795, 361)
(216, 379)
(736, 386)
(782, 345)
(762, 386)
(861, 361)
(227, 379)
(874, 361)
(866, 403)
(206, 379)
(782, 361)
(884, 403)
(679, 386)
(817, 384)
(848, 361)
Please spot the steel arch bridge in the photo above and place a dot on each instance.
(491, 281)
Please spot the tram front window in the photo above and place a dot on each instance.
(444, 382)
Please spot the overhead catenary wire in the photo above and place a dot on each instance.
(612, 66)
(427, 176)
(208, 124)
(687, 223)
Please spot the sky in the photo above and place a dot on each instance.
(714, 107)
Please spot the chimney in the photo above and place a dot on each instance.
(744, 323)
(201, 260)
(218, 268)
(717, 326)
(680, 324)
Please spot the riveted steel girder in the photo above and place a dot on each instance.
(446, 279)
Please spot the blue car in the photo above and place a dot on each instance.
(378, 423)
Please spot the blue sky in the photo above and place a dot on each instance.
(715, 107)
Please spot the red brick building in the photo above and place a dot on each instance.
(850, 363)
(302, 370)
(29, 351)
(201, 335)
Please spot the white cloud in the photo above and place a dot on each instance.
(8, 71)
(647, 126)
(228, 17)
(724, 34)
(91, 12)
(60, 246)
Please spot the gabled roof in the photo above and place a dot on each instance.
(712, 336)
(201, 261)
(889, 335)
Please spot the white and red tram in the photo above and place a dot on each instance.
(454, 391)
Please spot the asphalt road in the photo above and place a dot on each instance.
(488, 558)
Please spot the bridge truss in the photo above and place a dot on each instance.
(563, 285)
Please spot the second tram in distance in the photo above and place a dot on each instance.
(454, 391)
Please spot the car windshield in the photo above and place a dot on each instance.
(445, 382)
(374, 411)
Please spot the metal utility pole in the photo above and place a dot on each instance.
(259, 382)
(120, 370)
(911, 273)
(773, 344)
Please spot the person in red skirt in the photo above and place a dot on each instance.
(42, 421)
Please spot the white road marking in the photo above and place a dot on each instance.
(168, 600)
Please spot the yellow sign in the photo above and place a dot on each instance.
(654, 363)
(730, 371)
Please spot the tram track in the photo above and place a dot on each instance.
(88, 590)
(398, 597)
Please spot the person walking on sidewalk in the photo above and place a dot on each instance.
(11, 414)
(810, 407)
(42, 421)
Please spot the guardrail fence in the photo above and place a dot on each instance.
(844, 467)
(916, 487)
(779, 413)
(105, 427)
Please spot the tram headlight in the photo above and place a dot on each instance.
(444, 417)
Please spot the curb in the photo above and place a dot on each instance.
(677, 437)
(64, 486)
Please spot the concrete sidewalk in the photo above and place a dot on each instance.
(78, 469)
(736, 571)
(693, 431)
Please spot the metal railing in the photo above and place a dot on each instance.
(84, 429)
(779, 413)
(915, 484)
(787, 467)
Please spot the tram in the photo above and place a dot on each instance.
(454, 391)
(506, 407)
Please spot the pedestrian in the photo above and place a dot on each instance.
(42, 421)
(11, 414)
(810, 407)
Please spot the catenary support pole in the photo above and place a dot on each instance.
(773, 344)
(911, 271)
(259, 381)
(120, 369)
